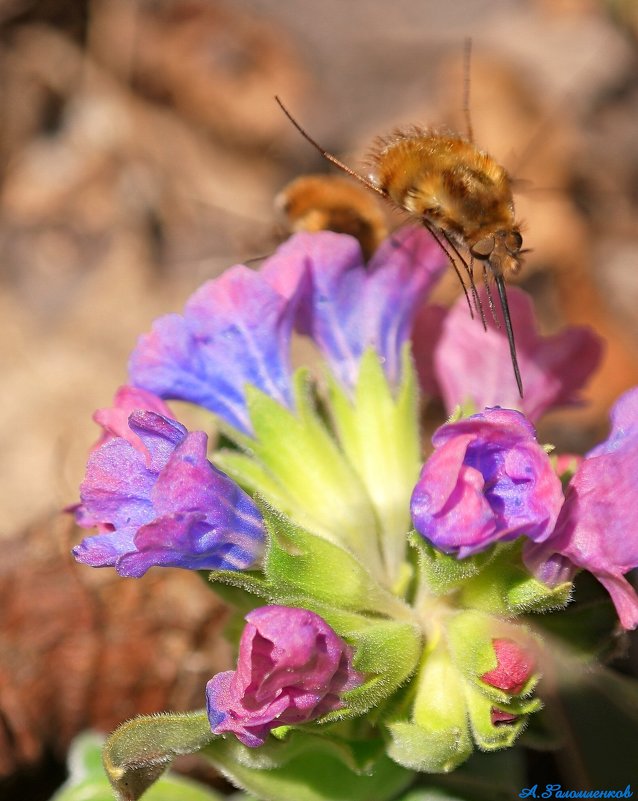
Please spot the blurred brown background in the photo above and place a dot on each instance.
(141, 149)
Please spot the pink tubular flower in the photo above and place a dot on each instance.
(514, 667)
(114, 419)
(292, 668)
(487, 480)
(597, 527)
(459, 364)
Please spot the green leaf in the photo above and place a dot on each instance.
(88, 781)
(312, 771)
(470, 635)
(138, 752)
(390, 652)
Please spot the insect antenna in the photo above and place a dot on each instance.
(467, 63)
(328, 156)
(502, 295)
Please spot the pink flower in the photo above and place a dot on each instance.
(487, 480)
(114, 419)
(292, 668)
(597, 529)
(459, 362)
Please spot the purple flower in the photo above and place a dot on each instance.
(457, 363)
(350, 306)
(487, 480)
(291, 668)
(598, 526)
(162, 503)
(235, 331)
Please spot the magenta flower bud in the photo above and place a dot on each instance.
(292, 668)
(514, 667)
(499, 717)
(487, 480)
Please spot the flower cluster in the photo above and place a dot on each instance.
(381, 591)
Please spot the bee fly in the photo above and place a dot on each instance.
(460, 194)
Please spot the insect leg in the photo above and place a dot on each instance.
(475, 296)
(434, 231)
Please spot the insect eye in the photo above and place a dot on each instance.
(483, 248)
(516, 241)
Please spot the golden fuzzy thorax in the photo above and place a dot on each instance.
(447, 181)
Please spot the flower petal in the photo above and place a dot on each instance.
(353, 306)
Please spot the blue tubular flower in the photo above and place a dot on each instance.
(165, 506)
(235, 331)
(352, 306)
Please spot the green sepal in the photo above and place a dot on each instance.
(139, 751)
(387, 653)
(234, 585)
(254, 478)
(506, 587)
(470, 636)
(438, 572)
(427, 751)
(309, 768)
(88, 782)
(378, 430)
(491, 737)
(301, 564)
(322, 491)
(436, 738)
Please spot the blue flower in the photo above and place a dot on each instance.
(350, 306)
(235, 330)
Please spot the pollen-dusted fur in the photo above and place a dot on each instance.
(333, 203)
(447, 180)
